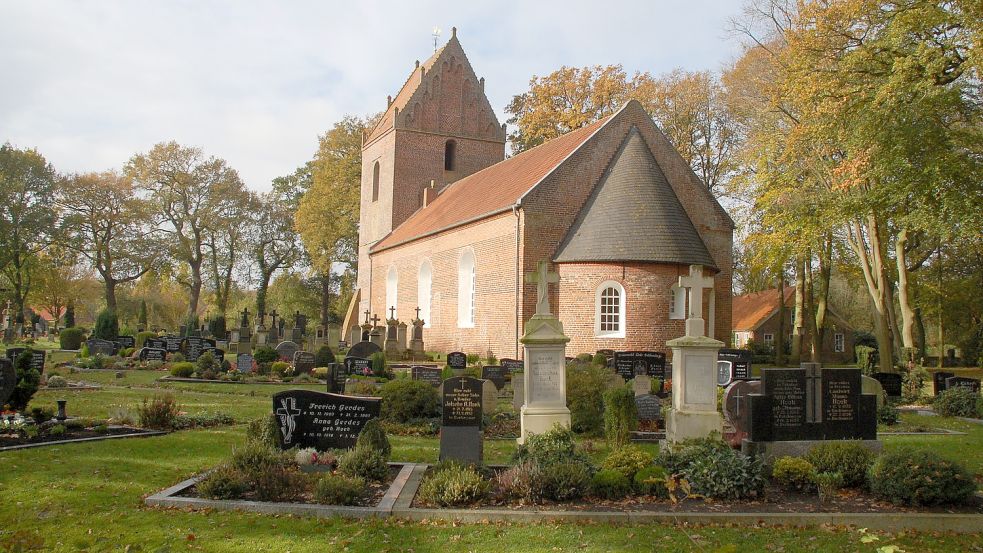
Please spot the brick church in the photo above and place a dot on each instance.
(449, 225)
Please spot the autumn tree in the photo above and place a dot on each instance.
(227, 240)
(58, 281)
(274, 242)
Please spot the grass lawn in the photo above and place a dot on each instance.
(88, 497)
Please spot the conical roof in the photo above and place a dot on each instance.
(633, 214)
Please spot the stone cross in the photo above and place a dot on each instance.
(542, 279)
(262, 317)
(245, 318)
(274, 315)
(392, 312)
(375, 320)
(694, 284)
(418, 313)
(367, 313)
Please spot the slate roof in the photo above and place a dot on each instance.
(633, 214)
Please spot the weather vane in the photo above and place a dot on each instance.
(436, 35)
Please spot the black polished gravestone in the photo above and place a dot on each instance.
(172, 344)
(357, 365)
(649, 407)
(218, 354)
(102, 347)
(8, 380)
(245, 363)
(303, 362)
(736, 363)
(496, 374)
(891, 382)
(157, 343)
(337, 377)
(938, 380)
(629, 364)
(37, 360)
(512, 365)
(364, 350)
(737, 408)
(192, 347)
(971, 384)
(461, 413)
(152, 354)
(13, 353)
(430, 375)
(457, 360)
(320, 420)
(126, 341)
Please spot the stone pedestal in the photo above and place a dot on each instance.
(401, 337)
(355, 336)
(544, 380)
(392, 339)
(694, 388)
(416, 344)
(261, 336)
(376, 336)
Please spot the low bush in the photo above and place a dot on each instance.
(556, 445)
(224, 482)
(71, 338)
(42, 414)
(620, 415)
(142, 337)
(453, 485)
(651, 480)
(379, 364)
(599, 359)
(279, 484)
(182, 369)
(265, 354)
(175, 357)
(920, 477)
(415, 427)
(264, 430)
(562, 481)
(888, 414)
(850, 459)
(584, 357)
(610, 484)
(159, 413)
(279, 369)
(57, 430)
(323, 357)
(56, 381)
(516, 482)
(335, 489)
(585, 397)
(913, 384)
(794, 473)
(207, 363)
(680, 455)
(725, 474)
(628, 460)
(959, 401)
(373, 437)
(364, 463)
(405, 400)
(828, 484)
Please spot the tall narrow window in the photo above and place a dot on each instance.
(449, 150)
(424, 291)
(677, 302)
(375, 182)
(392, 289)
(467, 281)
(609, 310)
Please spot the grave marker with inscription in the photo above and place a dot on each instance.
(891, 382)
(192, 347)
(457, 360)
(153, 354)
(286, 350)
(357, 365)
(938, 380)
(320, 420)
(649, 407)
(363, 350)
(733, 364)
(512, 365)
(8, 380)
(430, 375)
(173, 343)
(303, 362)
(971, 384)
(496, 374)
(628, 364)
(245, 363)
(127, 341)
(461, 415)
(156, 343)
(101, 347)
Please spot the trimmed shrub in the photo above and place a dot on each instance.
(562, 481)
(913, 384)
(335, 489)
(279, 368)
(264, 430)
(888, 414)
(57, 430)
(920, 477)
(585, 397)
(379, 363)
(453, 485)
(107, 325)
(182, 369)
(56, 381)
(556, 445)
(206, 362)
(651, 480)
(599, 359)
(628, 460)
(725, 474)
(265, 354)
(71, 338)
(216, 325)
(159, 413)
(324, 357)
(794, 473)
(254, 457)
(224, 483)
(280, 484)
(620, 415)
(828, 484)
(610, 484)
(364, 463)
(404, 400)
(516, 482)
(957, 402)
(28, 380)
(850, 459)
(142, 337)
(374, 438)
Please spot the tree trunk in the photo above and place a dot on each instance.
(822, 298)
(194, 290)
(325, 299)
(779, 339)
(907, 311)
(871, 259)
(110, 293)
(264, 284)
(797, 317)
(920, 335)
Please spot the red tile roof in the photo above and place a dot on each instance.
(489, 191)
(750, 310)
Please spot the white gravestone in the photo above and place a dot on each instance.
(544, 379)
(694, 369)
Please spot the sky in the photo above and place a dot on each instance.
(91, 83)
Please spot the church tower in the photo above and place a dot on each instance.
(439, 128)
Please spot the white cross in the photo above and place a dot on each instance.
(694, 284)
(542, 279)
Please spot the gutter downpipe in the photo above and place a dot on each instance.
(518, 282)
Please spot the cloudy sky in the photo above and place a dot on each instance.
(90, 83)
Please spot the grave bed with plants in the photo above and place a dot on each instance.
(20, 435)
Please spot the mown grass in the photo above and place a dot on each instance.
(88, 497)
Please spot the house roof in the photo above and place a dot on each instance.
(633, 214)
(750, 310)
(489, 191)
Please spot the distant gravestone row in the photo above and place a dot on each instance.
(946, 381)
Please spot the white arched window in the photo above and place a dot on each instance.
(609, 310)
(392, 289)
(466, 284)
(424, 289)
(677, 302)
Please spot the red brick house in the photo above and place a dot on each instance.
(755, 318)
(449, 225)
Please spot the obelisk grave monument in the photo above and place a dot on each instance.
(694, 363)
(545, 377)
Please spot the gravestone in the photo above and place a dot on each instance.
(430, 375)
(357, 365)
(961, 382)
(891, 382)
(320, 420)
(127, 341)
(518, 397)
(337, 377)
(628, 364)
(607, 353)
(173, 343)
(13, 353)
(363, 350)
(938, 380)
(303, 362)
(457, 360)
(37, 360)
(489, 397)
(783, 417)
(245, 363)
(871, 386)
(286, 350)
(192, 347)
(156, 343)
(101, 347)
(512, 365)
(733, 364)
(153, 354)
(218, 354)
(649, 407)
(496, 374)
(8, 381)
(460, 421)
(737, 407)
(642, 385)
(841, 404)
